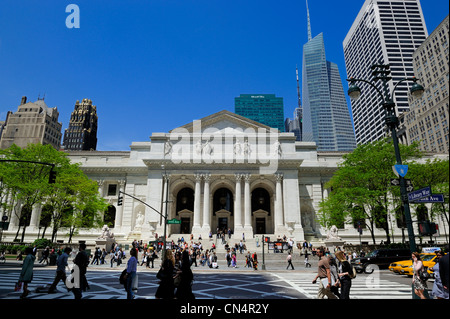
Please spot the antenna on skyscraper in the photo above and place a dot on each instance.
(309, 22)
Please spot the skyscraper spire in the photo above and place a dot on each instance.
(309, 22)
(298, 88)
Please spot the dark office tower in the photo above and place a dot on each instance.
(384, 32)
(263, 108)
(326, 117)
(81, 135)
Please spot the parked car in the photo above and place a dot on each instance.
(379, 257)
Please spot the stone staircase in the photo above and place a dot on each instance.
(252, 245)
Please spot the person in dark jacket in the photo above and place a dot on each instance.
(61, 265)
(345, 269)
(166, 289)
(184, 290)
(443, 269)
(82, 261)
(26, 275)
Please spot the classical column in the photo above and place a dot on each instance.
(35, 216)
(100, 187)
(197, 198)
(278, 201)
(206, 197)
(247, 203)
(238, 204)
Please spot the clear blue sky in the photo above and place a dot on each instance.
(153, 65)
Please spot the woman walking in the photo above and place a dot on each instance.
(26, 275)
(184, 290)
(345, 270)
(419, 285)
(165, 274)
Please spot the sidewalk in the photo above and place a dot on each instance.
(274, 262)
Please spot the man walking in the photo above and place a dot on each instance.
(323, 271)
(289, 260)
(61, 265)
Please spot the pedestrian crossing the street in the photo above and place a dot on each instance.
(210, 285)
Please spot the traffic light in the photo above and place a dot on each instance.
(427, 228)
(119, 200)
(52, 177)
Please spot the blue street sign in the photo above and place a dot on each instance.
(434, 198)
(418, 194)
(401, 169)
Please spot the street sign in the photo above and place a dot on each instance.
(396, 182)
(433, 198)
(400, 170)
(173, 221)
(423, 192)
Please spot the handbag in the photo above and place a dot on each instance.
(177, 280)
(123, 277)
(161, 275)
(18, 286)
(424, 275)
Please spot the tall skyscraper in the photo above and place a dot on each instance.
(81, 135)
(262, 108)
(428, 119)
(384, 32)
(33, 123)
(326, 117)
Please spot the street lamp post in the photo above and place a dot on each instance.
(166, 179)
(382, 72)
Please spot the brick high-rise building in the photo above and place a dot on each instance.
(34, 122)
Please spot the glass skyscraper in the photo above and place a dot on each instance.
(263, 108)
(326, 117)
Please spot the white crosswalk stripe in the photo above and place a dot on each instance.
(363, 287)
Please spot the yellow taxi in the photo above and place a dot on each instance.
(398, 266)
(429, 260)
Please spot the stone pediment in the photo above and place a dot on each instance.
(224, 120)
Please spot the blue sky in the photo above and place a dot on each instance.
(153, 65)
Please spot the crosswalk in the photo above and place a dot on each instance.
(363, 287)
(210, 285)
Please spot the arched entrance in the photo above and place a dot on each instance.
(223, 208)
(261, 211)
(184, 210)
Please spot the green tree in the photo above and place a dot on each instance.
(362, 181)
(433, 173)
(28, 184)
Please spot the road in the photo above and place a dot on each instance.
(222, 283)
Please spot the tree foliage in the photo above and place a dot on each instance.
(24, 185)
(360, 189)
